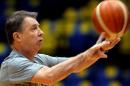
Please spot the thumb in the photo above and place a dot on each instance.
(103, 55)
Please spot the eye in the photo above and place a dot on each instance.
(34, 28)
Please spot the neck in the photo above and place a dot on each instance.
(27, 53)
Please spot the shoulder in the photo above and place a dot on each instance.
(14, 65)
(22, 66)
(17, 62)
(16, 59)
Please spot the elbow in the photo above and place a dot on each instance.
(46, 79)
(47, 82)
(77, 71)
(50, 80)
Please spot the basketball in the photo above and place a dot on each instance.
(111, 17)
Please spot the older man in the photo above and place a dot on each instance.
(26, 67)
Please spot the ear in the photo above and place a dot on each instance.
(16, 36)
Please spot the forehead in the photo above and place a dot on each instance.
(30, 21)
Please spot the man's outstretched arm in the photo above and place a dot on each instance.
(51, 75)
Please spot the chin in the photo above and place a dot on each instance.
(39, 48)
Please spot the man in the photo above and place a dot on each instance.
(25, 67)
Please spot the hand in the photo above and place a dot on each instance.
(99, 49)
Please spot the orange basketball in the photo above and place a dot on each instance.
(111, 16)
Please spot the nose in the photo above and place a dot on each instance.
(41, 33)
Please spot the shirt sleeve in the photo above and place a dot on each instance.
(22, 70)
(51, 61)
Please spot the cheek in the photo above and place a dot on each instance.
(30, 38)
(29, 42)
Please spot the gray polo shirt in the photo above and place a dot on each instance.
(17, 70)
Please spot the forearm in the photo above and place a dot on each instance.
(88, 61)
(74, 64)
(62, 70)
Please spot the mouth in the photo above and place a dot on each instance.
(41, 40)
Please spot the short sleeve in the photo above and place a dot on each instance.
(22, 70)
(51, 61)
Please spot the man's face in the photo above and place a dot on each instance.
(32, 35)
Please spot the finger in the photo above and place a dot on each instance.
(106, 45)
(101, 37)
(113, 43)
(101, 54)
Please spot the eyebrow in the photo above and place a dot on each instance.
(35, 24)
